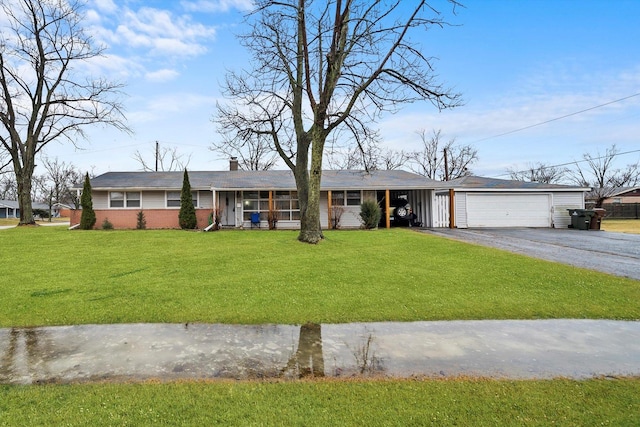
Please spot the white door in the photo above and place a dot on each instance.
(228, 205)
(508, 210)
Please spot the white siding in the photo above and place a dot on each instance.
(562, 202)
(153, 200)
(324, 211)
(205, 199)
(100, 199)
(460, 202)
(508, 210)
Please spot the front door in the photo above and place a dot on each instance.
(227, 201)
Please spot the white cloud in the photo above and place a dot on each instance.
(161, 76)
(107, 6)
(216, 5)
(163, 33)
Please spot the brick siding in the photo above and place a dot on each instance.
(128, 218)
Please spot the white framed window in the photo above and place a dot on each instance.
(285, 203)
(173, 198)
(346, 198)
(125, 199)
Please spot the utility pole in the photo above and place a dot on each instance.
(446, 165)
(157, 154)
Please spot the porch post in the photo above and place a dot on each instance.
(387, 206)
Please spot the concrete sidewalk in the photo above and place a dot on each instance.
(518, 349)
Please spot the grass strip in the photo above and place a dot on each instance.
(320, 403)
(53, 276)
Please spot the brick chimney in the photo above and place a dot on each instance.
(233, 164)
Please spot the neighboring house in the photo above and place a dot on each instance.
(61, 210)
(11, 209)
(239, 195)
(624, 195)
(624, 202)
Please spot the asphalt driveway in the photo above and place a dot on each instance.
(613, 253)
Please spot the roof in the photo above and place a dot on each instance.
(258, 180)
(331, 180)
(470, 183)
(620, 191)
(13, 204)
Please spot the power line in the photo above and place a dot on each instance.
(575, 162)
(558, 118)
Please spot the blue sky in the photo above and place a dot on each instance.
(516, 64)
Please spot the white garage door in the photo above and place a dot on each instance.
(508, 210)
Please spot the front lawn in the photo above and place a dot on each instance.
(52, 276)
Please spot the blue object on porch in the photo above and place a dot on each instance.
(255, 219)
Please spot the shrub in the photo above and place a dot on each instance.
(88, 216)
(336, 215)
(107, 225)
(370, 214)
(141, 222)
(187, 216)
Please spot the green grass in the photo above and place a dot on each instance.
(52, 276)
(324, 403)
(621, 225)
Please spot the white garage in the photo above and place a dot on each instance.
(508, 210)
(488, 202)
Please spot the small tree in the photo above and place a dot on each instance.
(88, 217)
(370, 214)
(141, 222)
(187, 216)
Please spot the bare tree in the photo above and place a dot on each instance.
(165, 159)
(61, 178)
(538, 172)
(430, 160)
(253, 152)
(44, 98)
(318, 66)
(8, 187)
(368, 156)
(599, 172)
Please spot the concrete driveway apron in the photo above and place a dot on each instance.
(613, 253)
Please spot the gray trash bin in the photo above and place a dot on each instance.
(581, 218)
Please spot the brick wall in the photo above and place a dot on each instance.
(128, 218)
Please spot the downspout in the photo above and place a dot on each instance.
(210, 226)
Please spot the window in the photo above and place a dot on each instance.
(255, 201)
(173, 198)
(132, 199)
(120, 199)
(346, 198)
(116, 199)
(284, 202)
(353, 198)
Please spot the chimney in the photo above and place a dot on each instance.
(233, 164)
